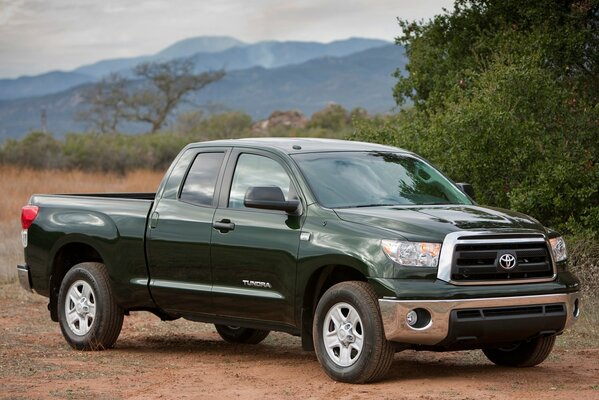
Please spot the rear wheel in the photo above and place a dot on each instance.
(522, 354)
(237, 334)
(348, 334)
(88, 316)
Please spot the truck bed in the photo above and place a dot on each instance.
(114, 224)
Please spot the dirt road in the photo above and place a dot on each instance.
(180, 359)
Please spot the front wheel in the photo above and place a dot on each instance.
(237, 334)
(89, 317)
(522, 354)
(349, 336)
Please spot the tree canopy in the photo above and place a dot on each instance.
(153, 93)
(506, 96)
(451, 50)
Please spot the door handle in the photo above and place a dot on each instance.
(154, 220)
(224, 225)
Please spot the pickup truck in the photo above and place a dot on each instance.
(360, 249)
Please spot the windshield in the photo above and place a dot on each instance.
(370, 179)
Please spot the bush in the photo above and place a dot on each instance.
(36, 150)
(583, 252)
(334, 118)
(517, 135)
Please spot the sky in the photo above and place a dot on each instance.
(38, 36)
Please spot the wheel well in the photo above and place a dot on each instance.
(320, 281)
(68, 256)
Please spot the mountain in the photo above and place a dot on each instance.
(272, 54)
(181, 49)
(208, 52)
(361, 79)
(51, 82)
(200, 44)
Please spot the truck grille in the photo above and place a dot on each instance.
(481, 261)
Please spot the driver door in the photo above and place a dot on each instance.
(254, 262)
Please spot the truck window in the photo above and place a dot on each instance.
(254, 170)
(199, 185)
(368, 179)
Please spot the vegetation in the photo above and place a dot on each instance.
(119, 152)
(150, 97)
(506, 97)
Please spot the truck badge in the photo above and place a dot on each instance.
(265, 285)
(507, 261)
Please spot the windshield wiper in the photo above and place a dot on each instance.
(376, 205)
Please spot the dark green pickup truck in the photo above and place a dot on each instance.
(361, 249)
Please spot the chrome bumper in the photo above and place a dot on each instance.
(24, 277)
(394, 313)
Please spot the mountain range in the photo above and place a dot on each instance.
(261, 77)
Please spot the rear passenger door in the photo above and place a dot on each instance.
(180, 230)
(254, 262)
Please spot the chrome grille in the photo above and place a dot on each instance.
(474, 258)
(480, 261)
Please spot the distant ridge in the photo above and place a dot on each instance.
(361, 79)
(50, 82)
(209, 52)
(181, 49)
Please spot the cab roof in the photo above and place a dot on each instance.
(300, 145)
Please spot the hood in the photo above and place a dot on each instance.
(432, 223)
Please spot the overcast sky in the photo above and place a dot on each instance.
(43, 35)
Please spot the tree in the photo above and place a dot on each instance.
(106, 103)
(445, 52)
(506, 96)
(163, 87)
(150, 97)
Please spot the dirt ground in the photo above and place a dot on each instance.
(181, 359)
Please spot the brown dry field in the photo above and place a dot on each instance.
(181, 359)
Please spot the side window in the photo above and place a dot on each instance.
(254, 170)
(199, 185)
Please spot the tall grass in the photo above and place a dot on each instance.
(17, 185)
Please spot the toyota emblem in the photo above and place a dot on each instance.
(507, 261)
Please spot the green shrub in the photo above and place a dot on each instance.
(36, 150)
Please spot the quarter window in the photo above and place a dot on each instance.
(201, 179)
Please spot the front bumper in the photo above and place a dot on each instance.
(483, 319)
(24, 277)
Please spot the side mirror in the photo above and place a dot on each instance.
(468, 189)
(269, 198)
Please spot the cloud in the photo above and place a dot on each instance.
(41, 35)
(8, 8)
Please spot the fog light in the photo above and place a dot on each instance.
(419, 319)
(412, 318)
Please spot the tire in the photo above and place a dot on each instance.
(88, 316)
(236, 334)
(523, 354)
(348, 334)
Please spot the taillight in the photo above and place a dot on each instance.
(28, 214)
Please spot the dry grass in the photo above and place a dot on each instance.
(17, 185)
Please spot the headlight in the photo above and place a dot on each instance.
(558, 247)
(415, 254)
